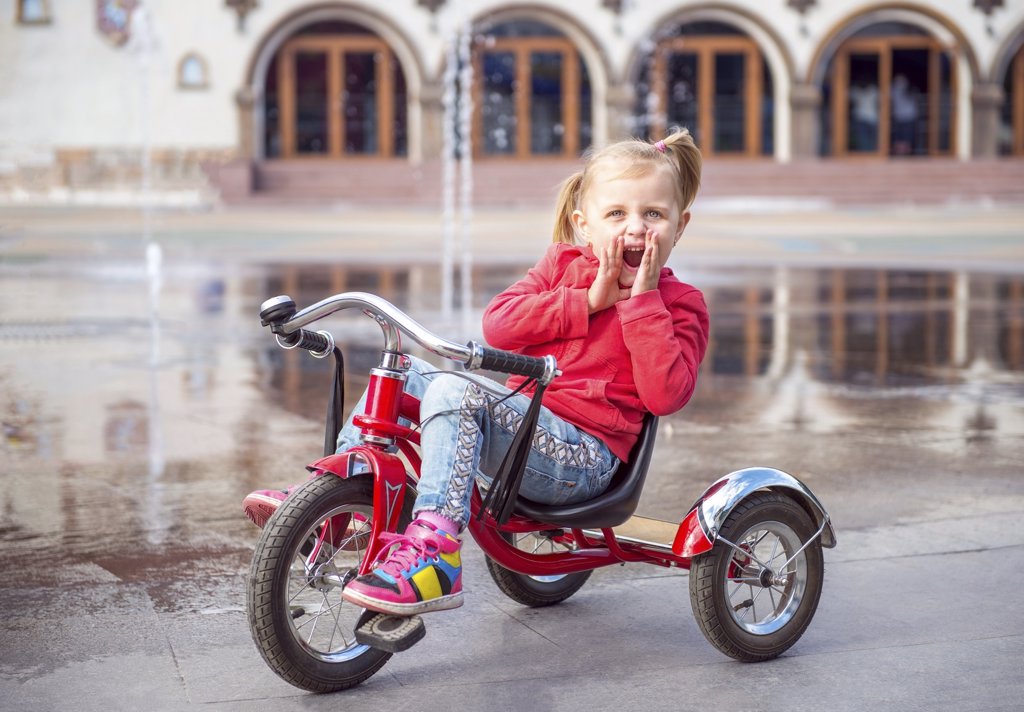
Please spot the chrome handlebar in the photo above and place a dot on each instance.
(391, 319)
(279, 313)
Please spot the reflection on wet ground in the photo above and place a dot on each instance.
(863, 329)
(878, 386)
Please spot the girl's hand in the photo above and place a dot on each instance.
(605, 291)
(649, 271)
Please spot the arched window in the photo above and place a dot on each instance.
(335, 90)
(192, 72)
(33, 12)
(712, 79)
(1011, 125)
(531, 92)
(889, 92)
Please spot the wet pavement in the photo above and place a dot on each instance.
(877, 355)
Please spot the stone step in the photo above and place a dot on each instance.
(504, 183)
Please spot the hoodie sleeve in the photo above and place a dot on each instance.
(666, 345)
(535, 310)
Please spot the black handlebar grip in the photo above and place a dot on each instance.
(308, 340)
(509, 362)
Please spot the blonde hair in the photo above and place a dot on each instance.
(677, 149)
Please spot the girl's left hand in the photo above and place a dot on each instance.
(649, 271)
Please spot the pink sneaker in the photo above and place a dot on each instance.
(420, 572)
(261, 504)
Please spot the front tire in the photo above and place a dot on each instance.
(536, 591)
(746, 604)
(309, 549)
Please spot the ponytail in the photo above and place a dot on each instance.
(568, 203)
(680, 147)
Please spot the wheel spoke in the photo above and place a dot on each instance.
(334, 628)
(775, 548)
(744, 552)
(333, 610)
(361, 536)
(757, 539)
(353, 538)
(753, 604)
(305, 585)
(749, 603)
(316, 619)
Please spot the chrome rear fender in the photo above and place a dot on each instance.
(700, 528)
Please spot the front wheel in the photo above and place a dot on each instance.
(754, 601)
(309, 550)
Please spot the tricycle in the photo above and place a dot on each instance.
(752, 542)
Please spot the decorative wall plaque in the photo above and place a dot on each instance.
(242, 8)
(432, 5)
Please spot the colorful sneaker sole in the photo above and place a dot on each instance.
(441, 603)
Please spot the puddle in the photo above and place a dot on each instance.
(845, 370)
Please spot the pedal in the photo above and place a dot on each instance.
(392, 634)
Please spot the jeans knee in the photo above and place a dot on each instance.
(444, 393)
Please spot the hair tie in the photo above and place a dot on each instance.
(660, 145)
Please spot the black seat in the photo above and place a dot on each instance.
(613, 506)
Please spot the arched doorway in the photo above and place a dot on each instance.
(334, 90)
(711, 78)
(890, 90)
(532, 94)
(1011, 129)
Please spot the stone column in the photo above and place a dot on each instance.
(235, 178)
(432, 120)
(245, 101)
(986, 104)
(805, 104)
(620, 102)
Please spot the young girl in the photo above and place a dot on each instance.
(628, 336)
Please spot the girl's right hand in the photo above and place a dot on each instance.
(605, 290)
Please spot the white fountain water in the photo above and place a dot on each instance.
(145, 47)
(449, 101)
(457, 207)
(466, 166)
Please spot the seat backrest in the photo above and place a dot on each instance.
(613, 506)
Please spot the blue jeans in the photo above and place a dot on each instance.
(467, 428)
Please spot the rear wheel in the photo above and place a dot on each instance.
(754, 601)
(537, 591)
(309, 550)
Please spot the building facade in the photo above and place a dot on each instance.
(87, 87)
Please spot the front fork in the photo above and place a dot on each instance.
(386, 403)
(390, 484)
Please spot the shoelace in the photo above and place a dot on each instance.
(410, 550)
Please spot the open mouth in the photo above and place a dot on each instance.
(633, 257)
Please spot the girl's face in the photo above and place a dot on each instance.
(615, 205)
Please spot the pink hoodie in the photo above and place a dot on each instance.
(638, 356)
